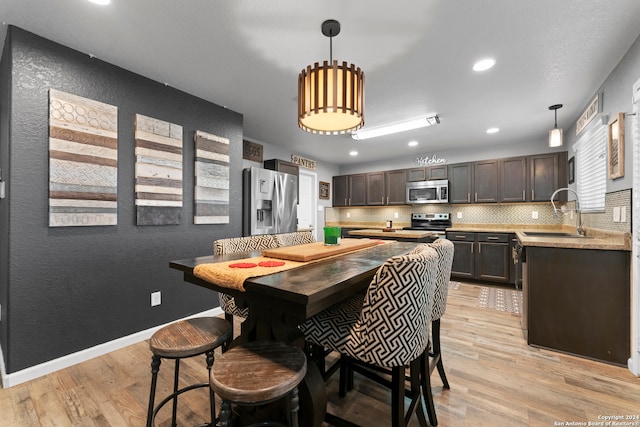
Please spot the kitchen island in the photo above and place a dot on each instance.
(417, 236)
(576, 293)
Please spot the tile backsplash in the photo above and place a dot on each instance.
(507, 213)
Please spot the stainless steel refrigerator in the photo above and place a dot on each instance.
(270, 202)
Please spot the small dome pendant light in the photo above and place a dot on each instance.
(555, 134)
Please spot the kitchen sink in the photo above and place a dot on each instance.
(553, 234)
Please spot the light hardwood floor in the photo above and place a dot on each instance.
(495, 378)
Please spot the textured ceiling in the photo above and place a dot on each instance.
(416, 54)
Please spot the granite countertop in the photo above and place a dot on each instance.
(595, 239)
(602, 240)
(404, 234)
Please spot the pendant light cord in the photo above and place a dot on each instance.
(330, 47)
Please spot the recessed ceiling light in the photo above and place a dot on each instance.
(353, 153)
(413, 143)
(101, 2)
(493, 130)
(484, 64)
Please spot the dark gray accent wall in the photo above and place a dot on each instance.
(5, 85)
(67, 289)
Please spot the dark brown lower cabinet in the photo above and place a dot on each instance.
(464, 259)
(578, 302)
(493, 257)
(481, 256)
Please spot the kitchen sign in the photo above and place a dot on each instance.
(429, 161)
(305, 163)
(592, 110)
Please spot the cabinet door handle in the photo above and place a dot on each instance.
(349, 201)
(382, 201)
(523, 197)
(492, 238)
(472, 245)
(476, 197)
(387, 199)
(479, 247)
(533, 195)
(468, 197)
(461, 237)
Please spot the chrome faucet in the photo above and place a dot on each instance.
(579, 228)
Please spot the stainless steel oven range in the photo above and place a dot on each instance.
(434, 222)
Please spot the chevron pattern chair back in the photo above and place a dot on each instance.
(396, 311)
(235, 245)
(444, 248)
(387, 327)
(243, 244)
(392, 326)
(295, 238)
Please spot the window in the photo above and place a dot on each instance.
(591, 166)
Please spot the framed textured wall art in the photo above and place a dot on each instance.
(211, 190)
(571, 172)
(324, 190)
(615, 146)
(83, 161)
(158, 171)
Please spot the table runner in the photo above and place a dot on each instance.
(219, 273)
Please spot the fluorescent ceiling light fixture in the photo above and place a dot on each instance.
(493, 130)
(101, 2)
(484, 64)
(353, 153)
(413, 143)
(430, 120)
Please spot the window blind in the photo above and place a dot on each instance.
(591, 167)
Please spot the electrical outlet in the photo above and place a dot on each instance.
(459, 215)
(156, 298)
(534, 214)
(616, 214)
(348, 214)
(395, 215)
(623, 214)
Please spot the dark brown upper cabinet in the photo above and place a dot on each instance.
(513, 179)
(485, 182)
(349, 190)
(547, 173)
(460, 183)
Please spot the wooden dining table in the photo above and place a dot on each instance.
(278, 303)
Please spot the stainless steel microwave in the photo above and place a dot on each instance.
(428, 192)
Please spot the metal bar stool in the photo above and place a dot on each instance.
(180, 340)
(256, 373)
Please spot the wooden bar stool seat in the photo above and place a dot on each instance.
(256, 373)
(180, 340)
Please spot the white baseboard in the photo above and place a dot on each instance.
(634, 365)
(33, 372)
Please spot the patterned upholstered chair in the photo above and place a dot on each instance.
(389, 328)
(295, 238)
(444, 248)
(235, 245)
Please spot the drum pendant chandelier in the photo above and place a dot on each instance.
(331, 96)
